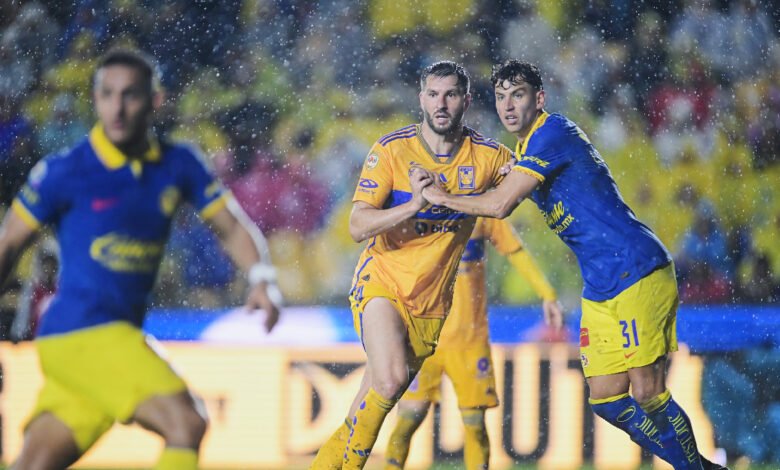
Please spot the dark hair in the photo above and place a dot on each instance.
(445, 68)
(131, 58)
(516, 71)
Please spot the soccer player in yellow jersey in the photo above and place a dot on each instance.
(402, 289)
(464, 348)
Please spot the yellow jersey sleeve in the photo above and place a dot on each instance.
(503, 236)
(376, 179)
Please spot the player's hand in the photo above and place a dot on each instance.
(435, 194)
(267, 297)
(420, 178)
(553, 314)
(506, 168)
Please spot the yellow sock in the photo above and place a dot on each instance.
(178, 458)
(398, 446)
(476, 445)
(331, 454)
(366, 423)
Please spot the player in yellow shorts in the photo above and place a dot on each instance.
(111, 199)
(629, 306)
(402, 289)
(464, 347)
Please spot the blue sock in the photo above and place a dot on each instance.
(675, 432)
(623, 412)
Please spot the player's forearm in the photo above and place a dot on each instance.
(366, 222)
(490, 204)
(240, 237)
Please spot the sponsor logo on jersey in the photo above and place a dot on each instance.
(584, 338)
(368, 183)
(125, 254)
(100, 204)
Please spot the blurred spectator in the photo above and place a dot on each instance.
(63, 128)
(749, 30)
(759, 286)
(37, 292)
(17, 153)
(703, 261)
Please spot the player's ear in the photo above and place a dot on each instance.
(158, 96)
(540, 96)
(468, 102)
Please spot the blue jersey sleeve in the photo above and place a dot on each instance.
(545, 152)
(200, 187)
(41, 199)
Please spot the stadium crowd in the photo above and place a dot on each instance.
(681, 97)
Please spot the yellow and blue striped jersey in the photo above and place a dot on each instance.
(582, 205)
(418, 259)
(112, 217)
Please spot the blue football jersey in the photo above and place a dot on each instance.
(582, 205)
(112, 216)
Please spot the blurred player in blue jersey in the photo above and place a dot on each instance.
(629, 305)
(111, 199)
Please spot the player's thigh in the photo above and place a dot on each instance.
(601, 341)
(473, 376)
(114, 366)
(385, 339)
(647, 317)
(426, 384)
(48, 444)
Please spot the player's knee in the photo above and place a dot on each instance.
(185, 426)
(645, 394)
(390, 387)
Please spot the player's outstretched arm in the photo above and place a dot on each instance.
(366, 221)
(15, 235)
(498, 203)
(248, 248)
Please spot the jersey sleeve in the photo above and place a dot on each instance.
(41, 199)
(200, 187)
(502, 235)
(376, 179)
(504, 156)
(543, 154)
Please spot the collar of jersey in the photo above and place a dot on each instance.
(520, 149)
(111, 156)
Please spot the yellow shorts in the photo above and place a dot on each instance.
(423, 333)
(98, 375)
(633, 329)
(471, 373)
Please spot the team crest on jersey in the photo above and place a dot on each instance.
(372, 161)
(169, 200)
(466, 177)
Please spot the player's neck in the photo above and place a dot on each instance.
(522, 134)
(441, 144)
(136, 148)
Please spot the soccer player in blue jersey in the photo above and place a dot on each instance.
(629, 305)
(110, 200)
